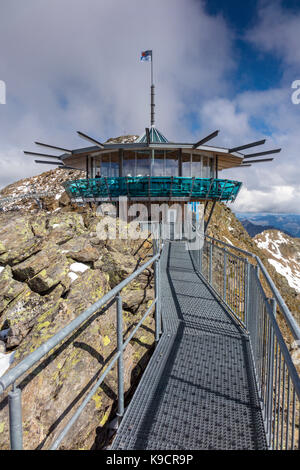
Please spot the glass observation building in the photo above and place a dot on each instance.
(152, 169)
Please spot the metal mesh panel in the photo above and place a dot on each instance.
(199, 389)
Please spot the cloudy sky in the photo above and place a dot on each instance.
(74, 65)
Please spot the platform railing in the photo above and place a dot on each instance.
(240, 280)
(145, 187)
(115, 295)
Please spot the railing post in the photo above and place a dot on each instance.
(120, 359)
(157, 298)
(271, 375)
(225, 277)
(15, 419)
(247, 292)
(210, 263)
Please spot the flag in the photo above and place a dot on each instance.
(146, 56)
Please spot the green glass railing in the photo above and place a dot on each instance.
(154, 186)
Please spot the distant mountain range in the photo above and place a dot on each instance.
(256, 223)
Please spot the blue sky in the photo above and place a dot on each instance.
(74, 65)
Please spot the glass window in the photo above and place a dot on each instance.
(158, 163)
(114, 164)
(97, 166)
(207, 167)
(196, 165)
(129, 163)
(142, 163)
(105, 164)
(171, 163)
(186, 165)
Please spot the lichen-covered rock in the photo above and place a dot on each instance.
(50, 276)
(55, 388)
(20, 316)
(80, 250)
(43, 287)
(36, 263)
(9, 288)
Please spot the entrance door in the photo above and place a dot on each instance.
(172, 222)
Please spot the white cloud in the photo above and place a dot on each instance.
(74, 65)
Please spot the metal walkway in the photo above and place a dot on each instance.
(199, 389)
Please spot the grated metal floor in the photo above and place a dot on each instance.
(199, 390)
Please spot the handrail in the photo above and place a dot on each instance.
(295, 329)
(10, 377)
(237, 283)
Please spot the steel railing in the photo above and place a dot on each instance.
(10, 378)
(238, 282)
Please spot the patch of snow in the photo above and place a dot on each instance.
(58, 196)
(78, 267)
(72, 276)
(228, 241)
(5, 362)
(56, 225)
(292, 278)
(230, 229)
(1, 269)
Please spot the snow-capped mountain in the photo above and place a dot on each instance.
(283, 253)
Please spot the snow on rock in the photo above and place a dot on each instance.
(73, 276)
(5, 362)
(292, 277)
(78, 267)
(283, 254)
(1, 269)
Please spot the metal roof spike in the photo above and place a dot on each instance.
(260, 161)
(247, 146)
(54, 147)
(268, 152)
(206, 139)
(35, 154)
(90, 139)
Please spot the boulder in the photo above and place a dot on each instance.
(36, 263)
(50, 276)
(9, 288)
(80, 250)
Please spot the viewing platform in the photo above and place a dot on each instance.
(153, 188)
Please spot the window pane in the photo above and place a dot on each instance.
(97, 166)
(142, 163)
(186, 165)
(196, 165)
(105, 164)
(129, 163)
(158, 163)
(114, 168)
(171, 163)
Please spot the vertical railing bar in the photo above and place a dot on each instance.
(287, 415)
(15, 418)
(275, 397)
(282, 406)
(210, 264)
(224, 276)
(293, 419)
(156, 287)
(278, 409)
(121, 358)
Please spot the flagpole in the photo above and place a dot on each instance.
(152, 92)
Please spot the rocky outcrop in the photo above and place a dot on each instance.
(52, 267)
(225, 226)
